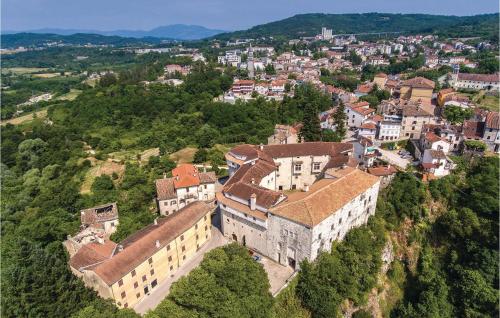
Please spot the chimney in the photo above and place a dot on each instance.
(306, 187)
(253, 180)
(156, 221)
(164, 175)
(253, 201)
(261, 147)
(157, 243)
(204, 169)
(120, 248)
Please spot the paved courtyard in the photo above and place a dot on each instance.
(163, 288)
(393, 158)
(277, 274)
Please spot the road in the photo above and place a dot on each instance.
(159, 293)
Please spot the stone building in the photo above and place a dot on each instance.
(127, 271)
(186, 185)
(290, 202)
(285, 134)
(418, 88)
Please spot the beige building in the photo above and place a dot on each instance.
(284, 134)
(418, 88)
(290, 202)
(414, 118)
(380, 79)
(186, 185)
(129, 270)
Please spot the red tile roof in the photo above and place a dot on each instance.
(419, 82)
(382, 171)
(492, 120)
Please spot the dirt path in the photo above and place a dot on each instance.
(25, 118)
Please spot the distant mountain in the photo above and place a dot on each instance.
(35, 39)
(311, 24)
(174, 31)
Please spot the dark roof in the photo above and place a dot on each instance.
(99, 214)
(473, 129)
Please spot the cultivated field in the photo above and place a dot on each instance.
(25, 118)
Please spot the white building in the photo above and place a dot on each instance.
(358, 113)
(331, 198)
(326, 34)
(186, 185)
(475, 81)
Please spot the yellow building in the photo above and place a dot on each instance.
(418, 88)
(129, 270)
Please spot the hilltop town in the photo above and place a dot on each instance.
(315, 176)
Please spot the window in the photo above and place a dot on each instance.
(136, 284)
(183, 257)
(120, 282)
(165, 203)
(170, 258)
(333, 225)
(319, 236)
(196, 227)
(298, 168)
(316, 166)
(197, 237)
(123, 294)
(132, 273)
(143, 278)
(152, 272)
(150, 260)
(171, 267)
(205, 218)
(168, 247)
(154, 283)
(351, 212)
(205, 186)
(112, 224)
(125, 305)
(182, 237)
(172, 202)
(206, 227)
(340, 221)
(183, 248)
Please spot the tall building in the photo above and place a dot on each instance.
(250, 64)
(289, 202)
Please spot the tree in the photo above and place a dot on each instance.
(456, 114)
(269, 69)
(102, 183)
(311, 129)
(200, 156)
(228, 283)
(107, 80)
(339, 119)
(30, 152)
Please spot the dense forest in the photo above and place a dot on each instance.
(311, 24)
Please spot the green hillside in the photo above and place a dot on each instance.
(35, 39)
(310, 25)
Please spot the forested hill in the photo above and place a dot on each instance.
(36, 39)
(310, 25)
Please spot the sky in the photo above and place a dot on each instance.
(106, 15)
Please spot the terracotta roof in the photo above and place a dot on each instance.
(325, 197)
(419, 82)
(429, 165)
(140, 246)
(307, 149)
(244, 82)
(207, 177)
(364, 88)
(376, 118)
(478, 77)
(368, 126)
(492, 120)
(92, 254)
(98, 214)
(437, 154)
(340, 160)
(432, 137)
(244, 208)
(165, 189)
(382, 171)
(185, 175)
(415, 111)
